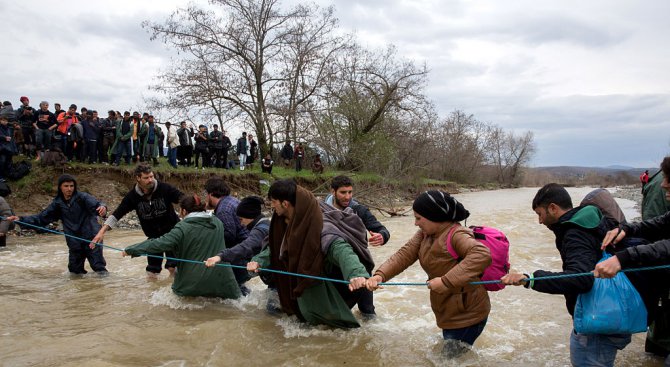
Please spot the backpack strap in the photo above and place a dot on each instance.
(450, 236)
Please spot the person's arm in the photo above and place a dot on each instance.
(128, 203)
(341, 254)
(579, 258)
(129, 134)
(373, 226)
(657, 253)
(262, 260)
(402, 259)
(165, 243)
(93, 206)
(246, 249)
(53, 123)
(654, 229)
(173, 194)
(45, 217)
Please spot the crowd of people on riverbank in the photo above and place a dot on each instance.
(82, 135)
(307, 239)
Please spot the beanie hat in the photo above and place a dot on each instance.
(24, 98)
(439, 206)
(249, 207)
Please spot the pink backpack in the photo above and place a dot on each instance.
(497, 242)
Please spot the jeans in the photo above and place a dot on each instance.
(43, 138)
(123, 148)
(596, 350)
(172, 157)
(365, 303)
(79, 252)
(154, 262)
(458, 341)
(91, 151)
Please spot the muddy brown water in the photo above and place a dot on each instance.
(49, 319)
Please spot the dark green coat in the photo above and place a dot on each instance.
(322, 303)
(197, 237)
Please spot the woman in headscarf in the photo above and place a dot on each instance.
(461, 309)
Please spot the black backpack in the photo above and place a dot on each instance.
(19, 170)
(4, 189)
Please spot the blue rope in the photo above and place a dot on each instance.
(202, 262)
(560, 276)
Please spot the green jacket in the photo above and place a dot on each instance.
(198, 237)
(653, 198)
(120, 135)
(322, 303)
(145, 137)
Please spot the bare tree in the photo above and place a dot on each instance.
(370, 89)
(509, 153)
(305, 65)
(256, 63)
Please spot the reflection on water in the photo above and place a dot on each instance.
(125, 320)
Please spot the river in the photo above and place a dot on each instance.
(49, 319)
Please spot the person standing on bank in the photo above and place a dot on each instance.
(461, 309)
(242, 150)
(644, 179)
(79, 213)
(299, 155)
(152, 201)
(287, 154)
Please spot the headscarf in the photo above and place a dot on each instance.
(439, 206)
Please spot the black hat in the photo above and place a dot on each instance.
(439, 206)
(250, 207)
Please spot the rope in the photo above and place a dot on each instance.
(548, 277)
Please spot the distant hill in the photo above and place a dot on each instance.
(574, 175)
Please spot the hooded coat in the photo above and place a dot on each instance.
(579, 233)
(197, 237)
(79, 215)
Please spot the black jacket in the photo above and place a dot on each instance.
(578, 241)
(656, 230)
(155, 211)
(369, 220)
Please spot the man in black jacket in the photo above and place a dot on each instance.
(655, 229)
(341, 197)
(578, 235)
(152, 201)
(287, 154)
(657, 253)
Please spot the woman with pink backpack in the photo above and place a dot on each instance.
(461, 309)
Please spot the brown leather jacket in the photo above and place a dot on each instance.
(463, 304)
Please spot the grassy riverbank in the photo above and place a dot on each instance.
(108, 183)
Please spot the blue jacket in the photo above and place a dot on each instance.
(79, 215)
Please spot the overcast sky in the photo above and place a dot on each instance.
(590, 78)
